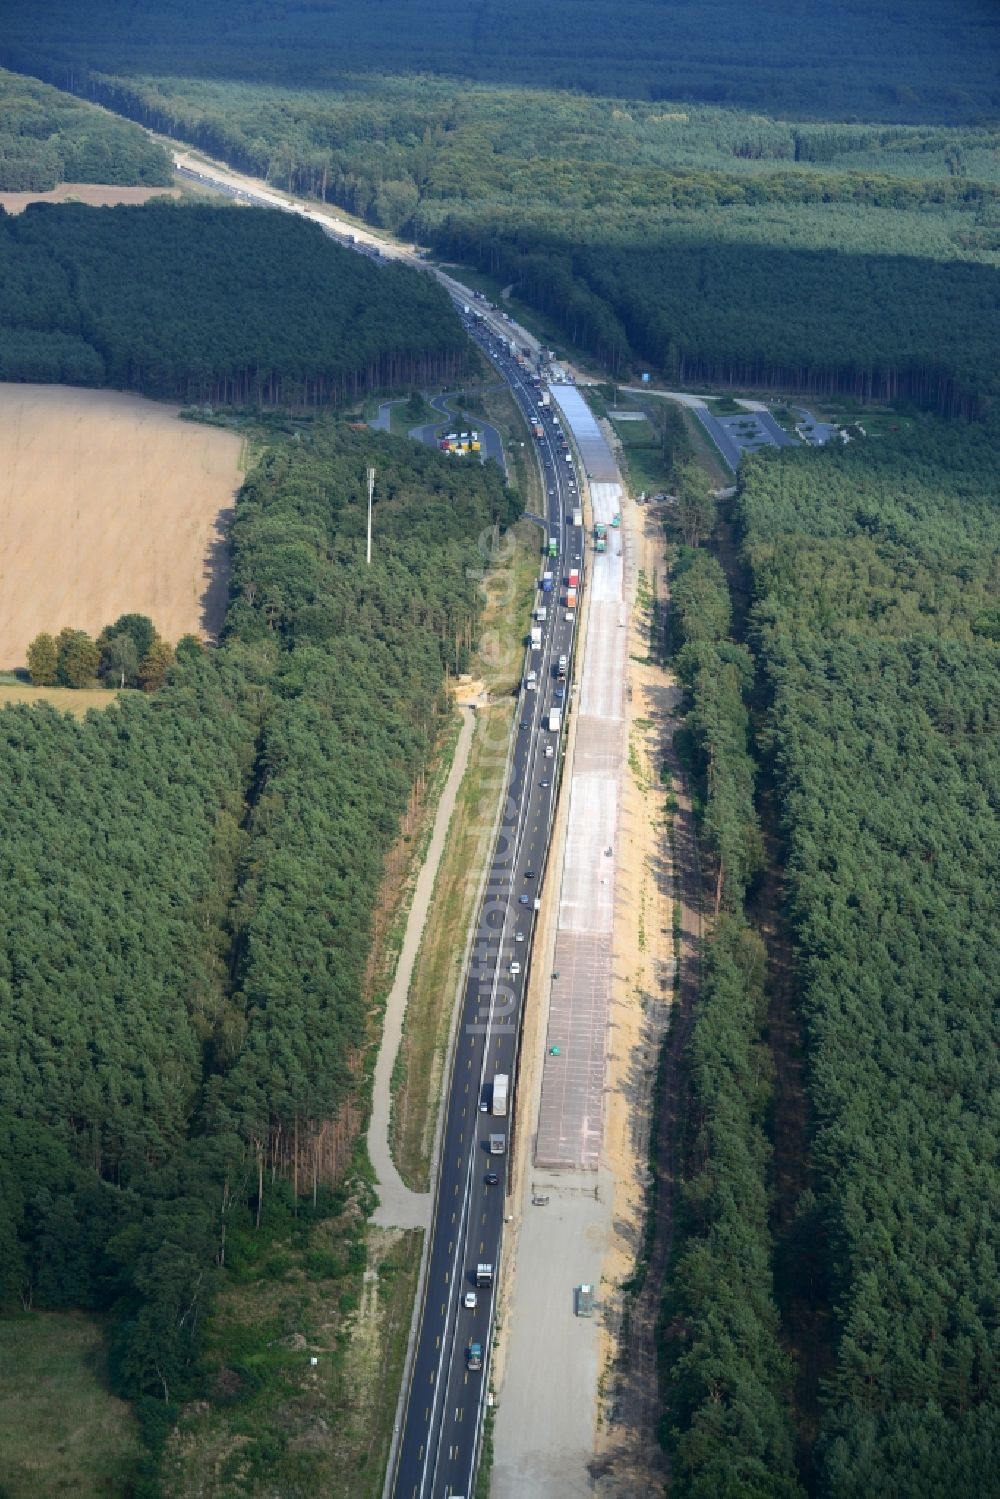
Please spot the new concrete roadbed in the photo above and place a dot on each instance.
(571, 1113)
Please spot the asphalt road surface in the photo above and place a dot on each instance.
(744, 432)
(489, 437)
(442, 1421)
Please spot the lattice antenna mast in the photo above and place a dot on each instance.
(371, 491)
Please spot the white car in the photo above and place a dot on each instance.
(518, 936)
(471, 1300)
(515, 969)
(570, 615)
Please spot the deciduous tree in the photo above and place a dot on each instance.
(43, 660)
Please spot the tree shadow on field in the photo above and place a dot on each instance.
(218, 566)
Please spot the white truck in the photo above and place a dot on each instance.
(578, 517)
(536, 637)
(500, 1095)
(542, 613)
(531, 681)
(555, 719)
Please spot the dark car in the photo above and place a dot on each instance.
(525, 900)
(529, 874)
(491, 1179)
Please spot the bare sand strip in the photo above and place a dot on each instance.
(109, 504)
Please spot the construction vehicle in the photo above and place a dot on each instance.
(583, 1300)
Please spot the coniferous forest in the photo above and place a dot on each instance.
(709, 245)
(781, 55)
(864, 695)
(874, 627)
(188, 882)
(777, 197)
(247, 307)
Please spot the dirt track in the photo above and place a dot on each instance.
(655, 871)
(109, 504)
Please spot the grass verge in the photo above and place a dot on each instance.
(61, 1431)
(643, 453)
(503, 412)
(419, 1068)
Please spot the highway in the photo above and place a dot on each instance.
(441, 1425)
(443, 1413)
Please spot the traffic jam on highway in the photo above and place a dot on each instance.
(448, 1386)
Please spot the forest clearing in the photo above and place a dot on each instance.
(97, 195)
(108, 504)
(75, 700)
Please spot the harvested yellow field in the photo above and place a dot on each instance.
(86, 192)
(108, 505)
(75, 700)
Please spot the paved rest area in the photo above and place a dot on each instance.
(545, 1422)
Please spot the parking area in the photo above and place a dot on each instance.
(742, 433)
